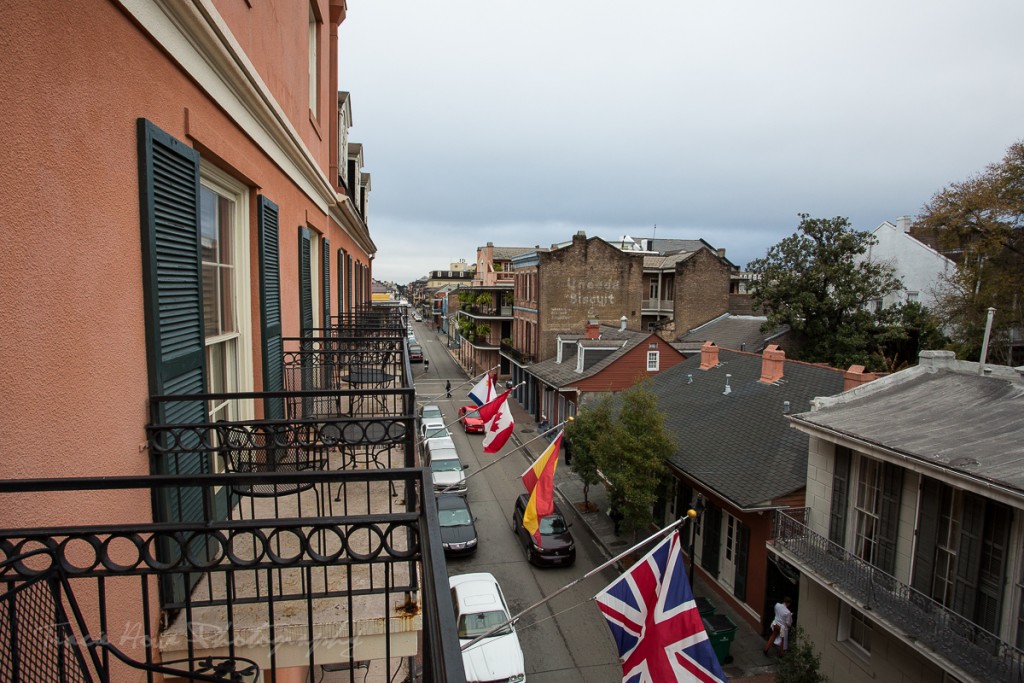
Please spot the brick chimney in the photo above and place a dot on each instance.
(708, 356)
(856, 376)
(593, 330)
(773, 362)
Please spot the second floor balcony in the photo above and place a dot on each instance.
(938, 633)
(521, 357)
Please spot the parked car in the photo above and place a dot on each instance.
(415, 353)
(458, 528)
(469, 416)
(433, 428)
(417, 317)
(446, 469)
(480, 607)
(430, 410)
(556, 543)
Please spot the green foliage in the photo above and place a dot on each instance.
(901, 333)
(638, 467)
(801, 664)
(981, 223)
(465, 327)
(587, 436)
(484, 299)
(813, 282)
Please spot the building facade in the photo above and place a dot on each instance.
(910, 556)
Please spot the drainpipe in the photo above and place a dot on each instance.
(984, 343)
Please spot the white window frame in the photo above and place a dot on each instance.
(851, 636)
(727, 555)
(314, 60)
(653, 361)
(219, 182)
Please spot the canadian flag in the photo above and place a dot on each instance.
(499, 429)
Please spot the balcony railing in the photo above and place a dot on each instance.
(355, 585)
(906, 612)
(657, 305)
(515, 354)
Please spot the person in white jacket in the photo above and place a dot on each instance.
(779, 637)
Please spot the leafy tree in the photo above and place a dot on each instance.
(587, 440)
(901, 332)
(980, 224)
(801, 663)
(814, 282)
(636, 464)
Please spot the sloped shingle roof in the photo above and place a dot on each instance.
(736, 332)
(564, 374)
(740, 444)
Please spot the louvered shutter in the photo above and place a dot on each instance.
(968, 555)
(341, 284)
(349, 291)
(270, 296)
(927, 534)
(889, 518)
(712, 533)
(325, 258)
(840, 496)
(173, 298)
(305, 284)
(742, 556)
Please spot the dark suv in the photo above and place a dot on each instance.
(556, 544)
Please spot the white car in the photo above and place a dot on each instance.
(433, 428)
(429, 411)
(446, 469)
(480, 607)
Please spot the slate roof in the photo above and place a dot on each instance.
(947, 417)
(564, 374)
(740, 444)
(736, 332)
(662, 261)
(511, 252)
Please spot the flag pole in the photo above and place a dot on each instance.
(475, 377)
(512, 620)
(502, 457)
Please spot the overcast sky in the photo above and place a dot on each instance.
(520, 123)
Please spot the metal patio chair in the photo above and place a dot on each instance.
(41, 642)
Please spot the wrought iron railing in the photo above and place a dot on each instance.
(907, 612)
(515, 354)
(657, 304)
(354, 586)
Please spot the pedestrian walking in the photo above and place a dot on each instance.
(448, 388)
(426, 365)
(779, 636)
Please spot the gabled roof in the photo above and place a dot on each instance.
(736, 332)
(596, 359)
(740, 444)
(506, 253)
(940, 413)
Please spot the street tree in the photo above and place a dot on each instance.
(635, 466)
(901, 332)
(979, 223)
(815, 282)
(587, 437)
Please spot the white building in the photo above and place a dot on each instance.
(920, 266)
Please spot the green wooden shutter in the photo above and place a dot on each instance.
(739, 588)
(840, 496)
(325, 258)
(349, 291)
(270, 295)
(712, 534)
(305, 284)
(889, 519)
(173, 302)
(341, 283)
(927, 534)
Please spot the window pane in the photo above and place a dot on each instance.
(211, 316)
(227, 300)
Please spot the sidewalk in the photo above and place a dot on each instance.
(748, 664)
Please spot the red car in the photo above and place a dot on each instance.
(471, 422)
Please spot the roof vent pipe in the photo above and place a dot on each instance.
(728, 389)
(622, 323)
(984, 343)
(689, 378)
(785, 407)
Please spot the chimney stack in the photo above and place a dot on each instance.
(773, 362)
(622, 323)
(856, 376)
(593, 330)
(708, 356)
(903, 223)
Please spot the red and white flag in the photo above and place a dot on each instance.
(499, 428)
(488, 410)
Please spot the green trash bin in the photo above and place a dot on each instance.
(721, 631)
(704, 606)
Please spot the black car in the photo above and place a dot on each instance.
(458, 531)
(556, 544)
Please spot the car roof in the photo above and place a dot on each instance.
(451, 501)
(477, 590)
(440, 443)
(524, 498)
(444, 454)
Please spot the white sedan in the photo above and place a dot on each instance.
(480, 608)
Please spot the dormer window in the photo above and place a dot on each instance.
(558, 347)
(579, 359)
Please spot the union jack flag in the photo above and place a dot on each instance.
(655, 623)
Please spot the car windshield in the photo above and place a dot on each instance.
(436, 433)
(457, 517)
(552, 524)
(479, 623)
(452, 465)
(431, 411)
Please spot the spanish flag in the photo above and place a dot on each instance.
(540, 482)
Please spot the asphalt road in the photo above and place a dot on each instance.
(565, 640)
